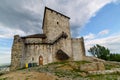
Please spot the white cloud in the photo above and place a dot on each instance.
(27, 15)
(104, 32)
(89, 36)
(5, 58)
(8, 32)
(35, 6)
(112, 42)
(80, 11)
(5, 53)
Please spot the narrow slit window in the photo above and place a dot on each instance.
(32, 58)
(57, 22)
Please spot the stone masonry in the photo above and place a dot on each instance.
(55, 44)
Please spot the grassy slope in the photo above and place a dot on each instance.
(69, 70)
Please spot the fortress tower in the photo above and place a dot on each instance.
(55, 44)
(54, 24)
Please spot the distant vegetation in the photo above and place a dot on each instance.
(104, 53)
(4, 65)
(114, 57)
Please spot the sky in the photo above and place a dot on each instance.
(98, 21)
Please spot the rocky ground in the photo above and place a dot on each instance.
(66, 71)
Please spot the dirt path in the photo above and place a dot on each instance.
(27, 75)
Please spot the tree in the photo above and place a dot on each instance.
(100, 52)
(115, 57)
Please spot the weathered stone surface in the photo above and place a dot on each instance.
(88, 67)
(78, 49)
(73, 65)
(117, 70)
(28, 49)
(83, 74)
(17, 52)
(93, 59)
(100, 66)
(95, 66)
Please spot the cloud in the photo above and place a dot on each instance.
(5, 54)
(27, 15)
(80, 11)
(111, 42)
(9, 32)
(4, 58)
(5, 50)
(89, 36)
(104, 32)
(116, 1)
(24, 15)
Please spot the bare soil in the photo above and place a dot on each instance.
(28, 75)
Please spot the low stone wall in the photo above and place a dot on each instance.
(115, 70)
(5, 69)
(95, 66)
(93, 59)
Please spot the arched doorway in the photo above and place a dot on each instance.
(40, 60)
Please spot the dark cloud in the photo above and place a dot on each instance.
(75, 31)
(27, 15)
(13, 14)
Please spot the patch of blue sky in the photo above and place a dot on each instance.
(107, 18)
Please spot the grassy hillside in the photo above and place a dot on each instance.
(60, 71)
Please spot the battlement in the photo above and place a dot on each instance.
(77, 39)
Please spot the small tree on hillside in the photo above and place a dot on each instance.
(100, 52)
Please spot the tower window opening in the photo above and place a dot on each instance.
(32, 58)
(57, 22)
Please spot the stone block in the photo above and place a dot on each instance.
(95, 66)
(100, 66)
(88, 67)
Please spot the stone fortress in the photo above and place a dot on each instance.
(55, 44)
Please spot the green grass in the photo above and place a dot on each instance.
(66, 73)
(110, 66)
(56, 63)
(81, 62)
(114, 76)
(3, 78)
(66, 62)
(74, 73)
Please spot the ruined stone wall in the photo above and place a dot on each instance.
(78, 49)
(17, 53)
(54, 25)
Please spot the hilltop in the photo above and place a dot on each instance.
(68, 70)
